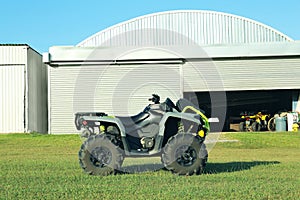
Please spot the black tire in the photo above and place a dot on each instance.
(77, 123)
(184, 154)
(99, 156)
(256, 127)
(242, 126)
(271, 124)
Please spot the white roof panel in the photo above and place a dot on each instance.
(185, 27)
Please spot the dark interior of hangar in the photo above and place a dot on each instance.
(237, 102)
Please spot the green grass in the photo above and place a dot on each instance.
(259, 166)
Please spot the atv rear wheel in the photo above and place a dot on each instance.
(184, 154)
(242, 126)
(99, 156)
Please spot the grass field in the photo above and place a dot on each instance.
(259, 166)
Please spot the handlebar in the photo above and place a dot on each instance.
(155, 99)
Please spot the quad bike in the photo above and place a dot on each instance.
(174, 132)
(247, 121)
(254, 122)
(261, 121)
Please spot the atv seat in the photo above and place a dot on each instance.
(133, 120)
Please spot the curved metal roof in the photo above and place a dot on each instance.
(183, 27)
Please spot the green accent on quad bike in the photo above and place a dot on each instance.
(206, 123)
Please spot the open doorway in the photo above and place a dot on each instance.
(269, 101)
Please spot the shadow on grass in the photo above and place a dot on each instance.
(216, 168)
(131, 169)
(211, 168)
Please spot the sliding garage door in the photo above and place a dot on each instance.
(242, 74)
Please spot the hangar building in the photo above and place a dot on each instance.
(226, 63)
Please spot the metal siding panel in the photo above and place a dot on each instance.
(37, 93)
(201, 76)
(12, 99)
(260, 74)
(13, 55)
(211, 26)
(264, 74)
(205, 27)
(61, 89)
(116, 90)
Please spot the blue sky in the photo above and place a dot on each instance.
(43, 24)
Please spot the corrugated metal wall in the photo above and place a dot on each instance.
(246, 74)
(12, 98)
(37, 93)
(116, 90)
(12, 88)
(13, 55)
(183, 28)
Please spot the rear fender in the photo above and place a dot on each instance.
(116, 121)
(111, 120)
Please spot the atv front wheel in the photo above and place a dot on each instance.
(99, 156)
(86, 133)
(184, 154)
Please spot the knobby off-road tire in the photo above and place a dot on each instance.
(99, 156)
(256, 127)
(86, 133)
(184, 154)
(242, 126)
